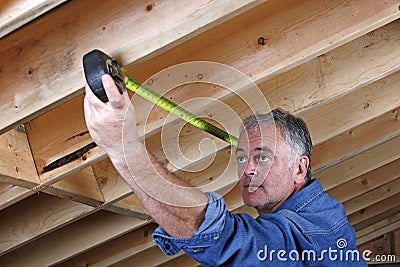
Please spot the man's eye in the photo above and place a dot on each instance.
(241, 159)
(264, 159)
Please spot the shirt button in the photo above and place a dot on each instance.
(167, 246)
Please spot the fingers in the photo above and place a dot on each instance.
(116, 99)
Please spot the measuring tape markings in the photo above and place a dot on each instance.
(173, 108)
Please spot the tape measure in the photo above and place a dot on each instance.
(97, 63)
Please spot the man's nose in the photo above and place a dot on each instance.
(251, 168)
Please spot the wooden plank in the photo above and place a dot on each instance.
(396, 245)
(80, 186)
(71, 240)
(16, 161)
(55, 45)
(356, 140)
(130, 208)
(366, 182)
(374, 210)
(78, 210)
(223, 166)
(360, 164)
(142, 241)
(150, 257)
(39, 141)
(65, 188)
(380, 217)
(112, 186)
(70, 136)
(11, 194)
(356, 107)
(386, 229)
(19, 12)
(37, 215)
(372, 197)
(117, 195)
(119, 248)
(378, 225)
(85, 159)
(183, 260)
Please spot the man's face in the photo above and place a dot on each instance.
(266, 178)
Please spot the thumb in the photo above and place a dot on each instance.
(115, 98)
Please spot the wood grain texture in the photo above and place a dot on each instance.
(334, 63)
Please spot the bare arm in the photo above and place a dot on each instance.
(172, 203)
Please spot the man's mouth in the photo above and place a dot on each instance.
(252, 188)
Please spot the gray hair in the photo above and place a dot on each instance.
(293, 128)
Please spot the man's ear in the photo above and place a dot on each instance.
(300, 168)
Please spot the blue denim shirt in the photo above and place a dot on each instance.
(309, 229)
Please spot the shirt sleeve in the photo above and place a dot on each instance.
(207, 235)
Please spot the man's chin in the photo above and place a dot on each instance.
(250, 197)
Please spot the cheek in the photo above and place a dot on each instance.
(266, 171)
(240, 170)
(277, 179)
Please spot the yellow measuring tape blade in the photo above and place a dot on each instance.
(178, 111)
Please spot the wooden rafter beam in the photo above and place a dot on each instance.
(357, 139)
(38, 215)
(378, 229)
(357, 107)
(183, 260)
(21, 12)
(16, 162)
(372, 197)
(366, 182)
(12, 194)
(68, 241)
(126, 246)
(374, 210)
(358, 165)
(152, 257)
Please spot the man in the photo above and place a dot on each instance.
(298, 223)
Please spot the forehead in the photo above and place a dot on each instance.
(263, 136)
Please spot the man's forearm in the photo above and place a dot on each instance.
(173, 204)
